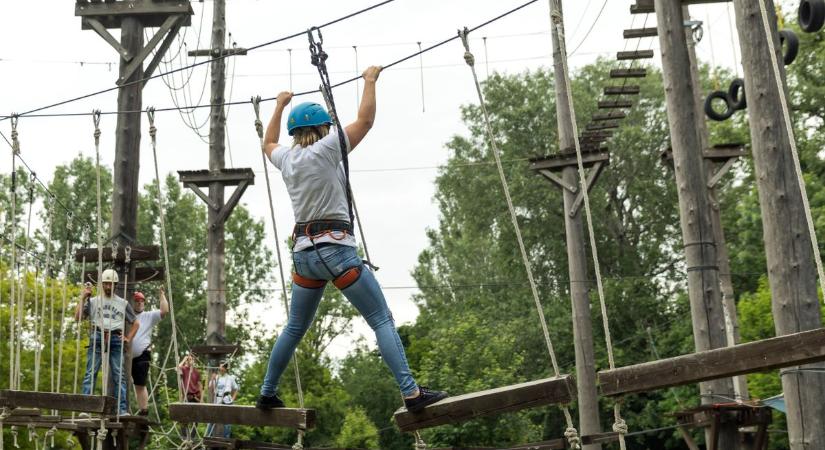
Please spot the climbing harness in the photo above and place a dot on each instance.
(571, 433)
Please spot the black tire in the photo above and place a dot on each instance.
(790, 46)
(811, 15)
(736, 95)
(712, 113)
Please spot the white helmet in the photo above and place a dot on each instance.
(109, 276)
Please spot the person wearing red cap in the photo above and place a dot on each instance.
(141, 343)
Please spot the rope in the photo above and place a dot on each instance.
(77, 331)
(571, 433)
(421, 74)
(62, 338)
(170, 298)
(41, 326)
(783, 100)
(13, 224)
(259, 128)
(619, 425)
(127, 261)
(98, 232)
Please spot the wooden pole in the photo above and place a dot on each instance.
(788, 247)
(694, 203)
(588, 402)
(740, 383)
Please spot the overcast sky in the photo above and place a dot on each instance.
(46, 57)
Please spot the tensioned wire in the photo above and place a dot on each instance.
(298, 94)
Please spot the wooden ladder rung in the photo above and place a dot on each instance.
(636, 33)
(602, 126)
(300, 419)
(622, 90)
(628, 73)
(637, 54)
(642, 8)
(615, 115)
(493, 401)
(615, 104)
(784, 351)
(62, 402)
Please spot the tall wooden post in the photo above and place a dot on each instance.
(694, 204)
(788, 247)
(740, 383)
(588, 401)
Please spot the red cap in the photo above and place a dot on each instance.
(139, 297)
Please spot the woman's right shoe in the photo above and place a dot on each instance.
(269, 402)
(426, 397)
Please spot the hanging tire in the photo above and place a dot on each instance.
(811, 15)
(790, 46)
(736, 95)
(712, 113)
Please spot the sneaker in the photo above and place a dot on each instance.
(426, 397)
(269, 402)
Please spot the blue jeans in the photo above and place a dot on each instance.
(227, 430)
(115, 348)
(364, 294)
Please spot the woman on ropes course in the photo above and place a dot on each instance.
(324, 246)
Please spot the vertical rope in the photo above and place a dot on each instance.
(357, 80)
(78, 326)
(486, 57)
(786, 114)
(127, 261)
(13, 223)
(98, 233)
(259, 128)
(571, 433)
(21, 299)
(62, 339)
(42, 325)
(619, 425)
(170, 298)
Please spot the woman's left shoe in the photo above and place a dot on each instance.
(269, 402)
(426, 397)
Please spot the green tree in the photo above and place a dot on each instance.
(357, 431)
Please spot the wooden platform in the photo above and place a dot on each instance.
(229, 443)
(784, 351)
(301, 419)
(111, 14)
(61, 402)
(517, 397)
(215, 350)
(138, 253)
(713, 416)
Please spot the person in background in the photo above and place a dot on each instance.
(226, 389)
(141, 346)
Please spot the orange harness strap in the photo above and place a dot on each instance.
(347, 278)
(307, 283)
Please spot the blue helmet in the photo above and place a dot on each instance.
(307, 115)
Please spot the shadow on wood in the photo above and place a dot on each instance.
(548, 391)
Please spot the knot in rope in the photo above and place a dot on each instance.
(96, 120)
(419, 443)
(115, 248)
(153, 131)
(256, 105)
(31, 431)
(15, 142)
(114, 437)
(102, 433)
(187, 444)
(14, 436)
(468, 55)
(572, 436)
(298, 446)
(620, 426)
(128, 252)
(469, 59)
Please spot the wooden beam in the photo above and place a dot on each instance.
(622, 90)
(784, 351)
(633, 55)
(636, 33)
(628, 73)
(568, 159)
(215, 350)
(301, 419)
(62, 402)
(139, 253)
(615, 104)
(227, 177)
(559, 390)
(151, 13)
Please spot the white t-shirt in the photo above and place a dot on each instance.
(315, 180)
(143, 337)
(108, 313)
(225, 385)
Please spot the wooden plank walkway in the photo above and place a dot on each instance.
(548, 391)
(784, 351)
(301, 419)
(62, 402)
